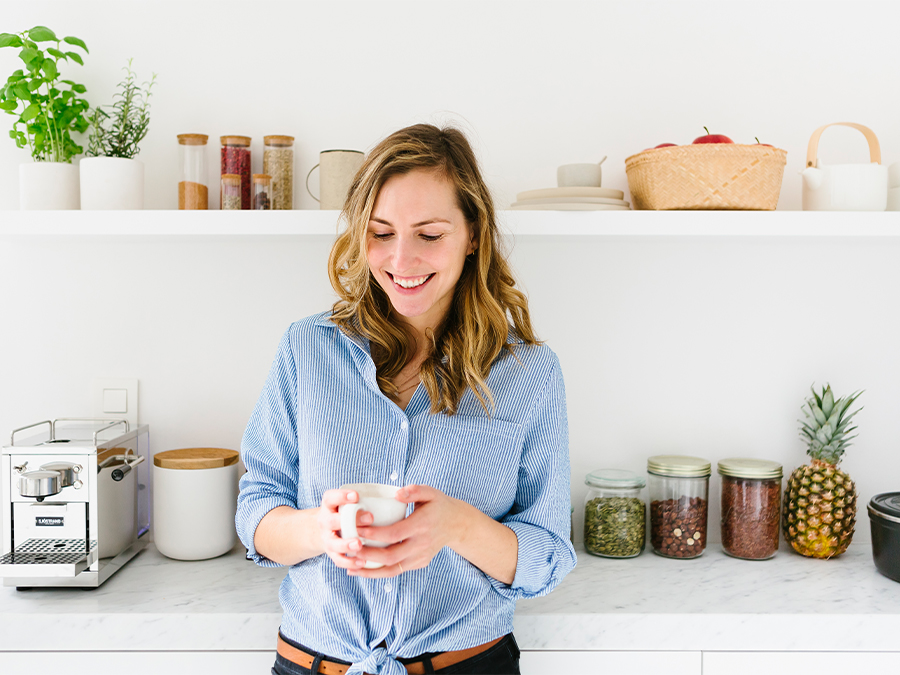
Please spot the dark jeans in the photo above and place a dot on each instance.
(501, 659)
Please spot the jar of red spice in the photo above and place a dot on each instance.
(751, 507)
(236, 160)
(679, 494)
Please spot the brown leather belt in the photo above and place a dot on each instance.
(414, 667)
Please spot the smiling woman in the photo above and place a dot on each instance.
(479, 447)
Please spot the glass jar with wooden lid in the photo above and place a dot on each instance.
(235, 159)
(193, 192)
(278, 162)
(194, 502)
(262, 188)
(230, 196)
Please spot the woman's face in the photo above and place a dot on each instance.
(417, 243)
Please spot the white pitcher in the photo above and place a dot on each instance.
(844, 187)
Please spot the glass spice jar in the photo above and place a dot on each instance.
(262, 188)
(751, 507)
(235, 159)
(230, 197)
(193, 193)
(614, 514)
(679, 500)
(278, 162)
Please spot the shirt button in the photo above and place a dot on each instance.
(404, 424)
(394, 476)
(387, 588)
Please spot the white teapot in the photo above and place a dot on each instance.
(845, 187)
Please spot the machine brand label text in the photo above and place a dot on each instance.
(48, 521)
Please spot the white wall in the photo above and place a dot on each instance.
(704, 346)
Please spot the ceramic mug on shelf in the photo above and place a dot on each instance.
(580, 175)
(379, 500)
(336, 171)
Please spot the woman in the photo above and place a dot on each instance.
(427, 375)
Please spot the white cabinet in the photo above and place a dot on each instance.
(754, 663)
(610, 663)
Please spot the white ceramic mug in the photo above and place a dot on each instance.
(580, 175)
(336, 171)
(379, 500)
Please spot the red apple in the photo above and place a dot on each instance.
(712, 138)
(664, 145)
(765, 144)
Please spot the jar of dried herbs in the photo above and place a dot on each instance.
(230, 195)
(751, 507)
(614, 514)
(278, 162)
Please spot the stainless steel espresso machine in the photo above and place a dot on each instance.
(75, 500)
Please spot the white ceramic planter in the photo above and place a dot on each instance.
(48, 186)
(111, 183)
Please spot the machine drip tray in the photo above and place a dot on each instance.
(48, 557)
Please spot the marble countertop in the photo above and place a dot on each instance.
(710, 603)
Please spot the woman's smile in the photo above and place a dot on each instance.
(410, 284)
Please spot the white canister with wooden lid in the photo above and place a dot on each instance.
(195, 494)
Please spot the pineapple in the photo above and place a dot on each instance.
(819, 509)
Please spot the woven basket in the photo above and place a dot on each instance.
(706, 176)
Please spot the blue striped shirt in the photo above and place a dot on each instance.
(322, 421)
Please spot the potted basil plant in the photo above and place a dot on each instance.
(111, 177)
(48, 110)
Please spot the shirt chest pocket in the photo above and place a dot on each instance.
(474, 459)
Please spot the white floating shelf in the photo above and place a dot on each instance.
(517, 223)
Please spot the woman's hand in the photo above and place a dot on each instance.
(436, 521)
(329, 521)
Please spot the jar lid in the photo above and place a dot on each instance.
(195, 458)
(743, 467)
(278, 140)
(235, 140)
(678, 465)
(614, 478)
(231, 178)
(192, 139)
(261, 178)
(886, 505)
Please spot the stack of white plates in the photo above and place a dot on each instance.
(571, 199)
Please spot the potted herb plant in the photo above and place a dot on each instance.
(111, 177)
(47, 110)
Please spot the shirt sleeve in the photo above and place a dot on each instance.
(269, 451)
(541, 515)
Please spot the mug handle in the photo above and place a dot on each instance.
(348, 520)
(874, 148)
(317, 199)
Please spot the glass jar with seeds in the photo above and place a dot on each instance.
(614, 514)
(751, 507)
(278, 162)
(231, 192)
(679, 494)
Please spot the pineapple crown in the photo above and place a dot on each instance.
(826, 427)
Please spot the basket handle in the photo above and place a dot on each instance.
(874, 147)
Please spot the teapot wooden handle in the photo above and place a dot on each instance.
(874, 147)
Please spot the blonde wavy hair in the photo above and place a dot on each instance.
(486, 303)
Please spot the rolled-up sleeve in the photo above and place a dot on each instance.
(269, 450)
(541, 516)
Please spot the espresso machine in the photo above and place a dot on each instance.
(75, 501)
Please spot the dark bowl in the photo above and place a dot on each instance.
(884, 515)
